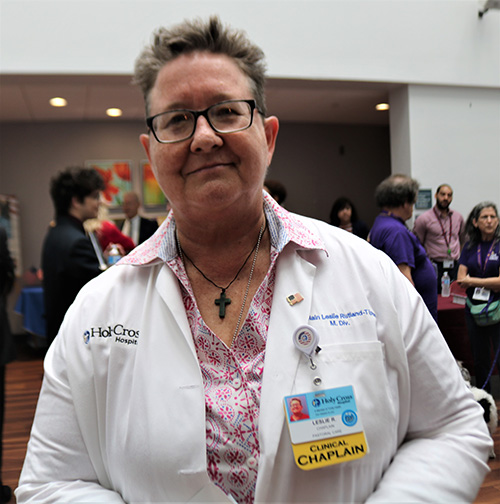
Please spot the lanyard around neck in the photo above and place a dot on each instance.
(447, 240)
(479, 261)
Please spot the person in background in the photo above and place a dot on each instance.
(276, 189)
(137, 227)
(345, 216)
(441, 231)
(177, 390)
(7, 347)
(479, 273)
(396, 196)
(69, 258)
(107, 232)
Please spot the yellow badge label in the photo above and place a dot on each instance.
(326, 452)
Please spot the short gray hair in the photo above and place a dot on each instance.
(395, 191)
(211, 36)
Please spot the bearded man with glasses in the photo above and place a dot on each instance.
(177, 390)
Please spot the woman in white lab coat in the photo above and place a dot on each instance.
(168, 380)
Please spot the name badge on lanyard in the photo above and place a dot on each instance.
(325, 428)
(481, 294)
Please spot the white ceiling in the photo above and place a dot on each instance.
(26, 98)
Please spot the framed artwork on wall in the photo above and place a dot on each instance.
(117, 175)
(424, 199)
(153, 198)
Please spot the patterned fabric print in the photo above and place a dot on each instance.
(232, 379)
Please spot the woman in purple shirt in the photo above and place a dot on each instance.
(479, 273)
(396, 196)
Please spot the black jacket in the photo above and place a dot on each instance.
(68, 263)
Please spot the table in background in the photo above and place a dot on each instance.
(451, 321)
(30, 305)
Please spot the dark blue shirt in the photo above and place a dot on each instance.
(489, 266)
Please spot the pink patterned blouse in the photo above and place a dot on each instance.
(232, 376)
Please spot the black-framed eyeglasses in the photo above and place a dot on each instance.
(228, 116)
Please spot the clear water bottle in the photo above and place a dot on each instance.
(445, 285)
(114, 255)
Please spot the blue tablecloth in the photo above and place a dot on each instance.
(30, 305)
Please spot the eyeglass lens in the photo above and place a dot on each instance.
(226, 117)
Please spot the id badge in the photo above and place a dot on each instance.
(448, 263)
(481, 294)
(325, 428)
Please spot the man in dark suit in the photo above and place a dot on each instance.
(69, 259)
(137, 227)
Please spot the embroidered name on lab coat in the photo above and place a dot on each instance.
(117, 333)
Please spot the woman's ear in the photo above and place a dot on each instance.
(144, 138)
(271, 127)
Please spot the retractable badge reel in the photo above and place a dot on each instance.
(306, 339)
(328, 430)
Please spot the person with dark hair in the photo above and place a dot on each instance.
(69, 259)
(276, 189)
(479, 273)
(441, 231)
(344, 215)
(396, 196)
(169, 378)
(7, 347)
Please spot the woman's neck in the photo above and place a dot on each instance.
(220, 248)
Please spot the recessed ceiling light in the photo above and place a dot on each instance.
(382, 106)
(58, 102)
(114, 112)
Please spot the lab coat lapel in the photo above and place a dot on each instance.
(170, 291)
(293, 274)
(176, 320)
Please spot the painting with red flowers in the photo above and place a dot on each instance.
(117, 175)
(152, 195)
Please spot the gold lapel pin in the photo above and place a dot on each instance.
(294, 298)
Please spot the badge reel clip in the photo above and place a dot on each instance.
(305, 339)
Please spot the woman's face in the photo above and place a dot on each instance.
(209, 173)
(345, 215)
(487, 222)
(295, 407)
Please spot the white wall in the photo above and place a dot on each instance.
(407, 41)
(445, 134)
(455, 138)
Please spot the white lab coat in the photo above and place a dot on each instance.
(121, 416)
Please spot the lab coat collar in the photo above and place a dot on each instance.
(284, 227)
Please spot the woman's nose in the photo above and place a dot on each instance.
(204, 137)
